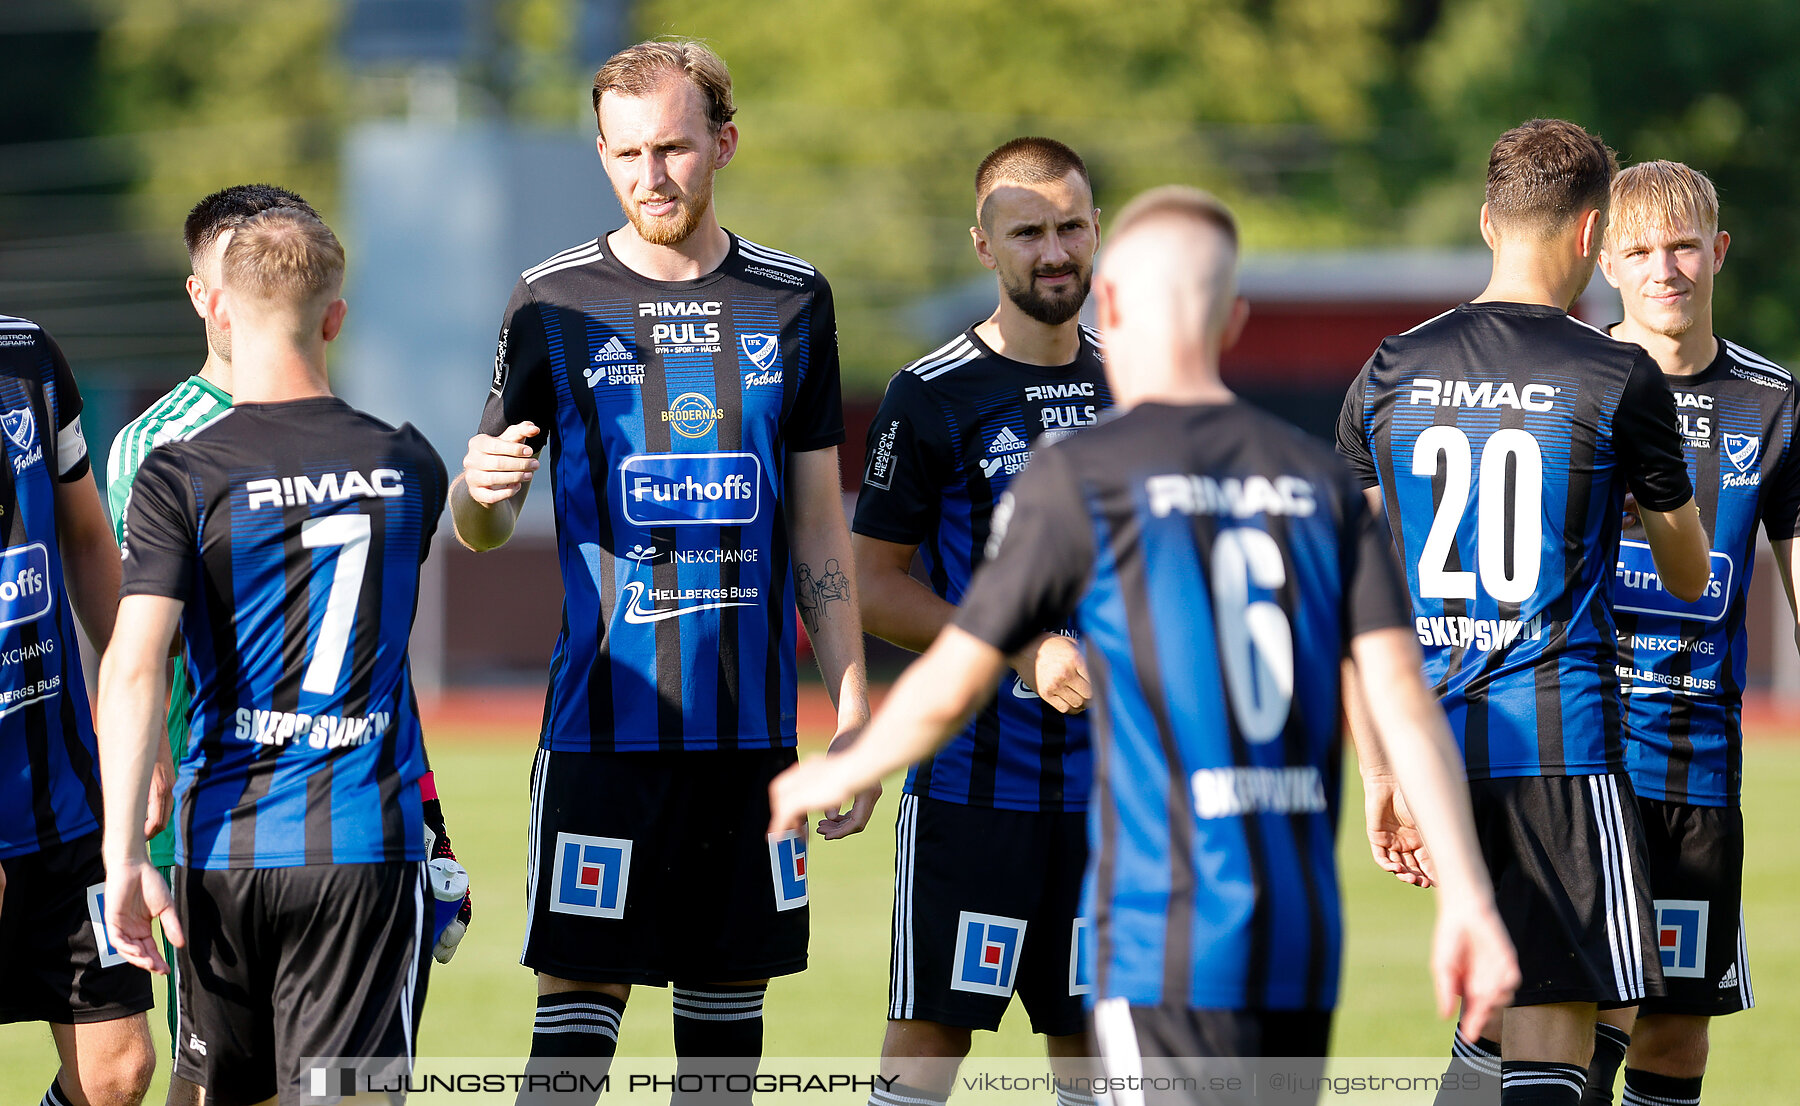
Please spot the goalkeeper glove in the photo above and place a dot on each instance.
(454, 903)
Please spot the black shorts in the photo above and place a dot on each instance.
(1179, 1055)
(55, 962)
(986, 904)
(1571, 881)
(1697, 879)
(657, 867)
(287, 964)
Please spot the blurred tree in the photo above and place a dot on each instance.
(1711, 84)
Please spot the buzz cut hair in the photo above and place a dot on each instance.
(1663, 195)
(1027, 160)
(1178, 201)
(638, 70)
(228, 208)
(284, 257)
(1546, 172)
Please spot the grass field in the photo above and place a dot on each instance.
(481, 1004)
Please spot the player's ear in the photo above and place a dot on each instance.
(1721, 243)
(727, 148)
(1487, 227)
(334, 319)
(983, 251)
(1106, 304)
(196, 293)
(1234, 323)
(1606, 267)
(600, 146)
(215, 309)
(1592, 233)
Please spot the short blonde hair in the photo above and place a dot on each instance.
(283, 256)
(637, 70)
(1178, 200)
(1663, 194)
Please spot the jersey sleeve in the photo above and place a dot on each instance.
(161, 536)
(522, 389)
(1040, 557)
(119, 473)
(816, 421)
(909, 460)
(436, 480)
(1375, 595)
(1781, 501)
(1648, 439)
(71, 447)
(1352, 442)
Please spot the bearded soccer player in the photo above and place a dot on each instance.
(1681, 664)
(1208, 554)
(57, 964)
(285, 540)
(683, 383)
(953, 430)
(1501, 437)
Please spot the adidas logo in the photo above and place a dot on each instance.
(1731, 977)
(612, 350)
(1007, 442)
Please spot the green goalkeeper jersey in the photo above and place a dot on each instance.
(187, 407)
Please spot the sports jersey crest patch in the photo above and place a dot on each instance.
(20, 426)
(761, 349)
(1742, 450)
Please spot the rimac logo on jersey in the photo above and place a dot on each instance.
(691, 489)
(590, 876)
(692, 415)
(1638, 589)
(1081, 957)
(1681, 934)
(24, 584)
(1462, 393)
(787, 867)
(331, 487)
(987, 956)
(1187, 494)
(96, 901)
(1073, 390)
(683, 337)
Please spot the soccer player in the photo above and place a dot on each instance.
(285, 539)
(56, 963)
(1502, 437)
(953, 430)
(1218, 565)
(685, 383)
(1681, 664)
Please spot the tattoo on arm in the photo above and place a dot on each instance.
(813, 594)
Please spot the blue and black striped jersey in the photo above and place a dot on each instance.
(1217, 563)
(1682, 665)
(671, 408)
(953, 430)
(293, 533)
(49, 778)
(1503, 437)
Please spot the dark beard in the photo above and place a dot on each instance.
(1051, 309)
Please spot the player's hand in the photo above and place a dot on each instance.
(1471, 958)
(1394, 838)
(447, 876)
(496, 468)
(817, 783)
(1052, 667)
(135, 896)
(162, 796)
(1630, 517)
(842, 823)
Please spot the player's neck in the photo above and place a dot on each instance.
(1173, 378)
(1534, 274)
(217, 372)
(689, 259)
(1685, 354)
(1013, 334)
(278, 374)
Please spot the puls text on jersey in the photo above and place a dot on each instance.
(331, 487)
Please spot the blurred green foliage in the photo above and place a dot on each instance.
(1325, 122)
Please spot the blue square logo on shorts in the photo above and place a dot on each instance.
(987, 953)
(590, 876)
(96, 900)
(1681, 934)
(787, 868)
(1081, 957)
